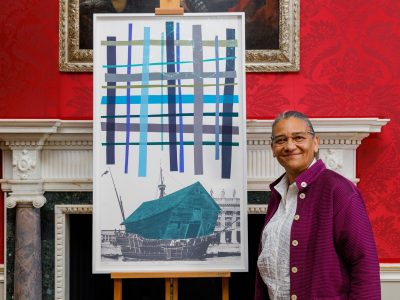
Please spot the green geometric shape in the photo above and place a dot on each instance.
(188, 213)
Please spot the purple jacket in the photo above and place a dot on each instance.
(335, 256)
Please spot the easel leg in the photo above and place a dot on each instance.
(225, 288)
(167, 289)
(168, 283)
(117, 289)
(175, 289)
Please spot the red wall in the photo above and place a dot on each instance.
(1, 218)
(350, 67)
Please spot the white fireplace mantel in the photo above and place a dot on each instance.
(58, 153)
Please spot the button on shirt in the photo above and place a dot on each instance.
(273, 262)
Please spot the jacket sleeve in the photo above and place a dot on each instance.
(355, 244)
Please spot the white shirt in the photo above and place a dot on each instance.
(273, 262)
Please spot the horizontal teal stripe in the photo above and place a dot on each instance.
(167, 63)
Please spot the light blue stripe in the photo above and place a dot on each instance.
(181, 152)
(163, 99)
(162, 88)
(128, 106)
(144, 106)
(216, 100)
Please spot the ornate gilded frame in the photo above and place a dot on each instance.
(286, 59)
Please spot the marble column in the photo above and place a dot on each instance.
(28, 265)
(26, 195)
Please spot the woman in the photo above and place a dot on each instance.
(317, 241)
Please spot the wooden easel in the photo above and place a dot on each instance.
(170, 7)
(171, 278)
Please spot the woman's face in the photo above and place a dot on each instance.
(294, 146)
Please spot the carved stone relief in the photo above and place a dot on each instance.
(24, 164)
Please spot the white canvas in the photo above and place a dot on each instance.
(169, 143)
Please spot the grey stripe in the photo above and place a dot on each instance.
(167, 76)
(198, 100)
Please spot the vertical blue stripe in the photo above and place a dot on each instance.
(173, 163)
(178, 69)
(162, 90)
(110, 125)
(228, 108)
(144, 105)
(216, 98)
(128, 101)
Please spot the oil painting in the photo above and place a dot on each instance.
(272, 29)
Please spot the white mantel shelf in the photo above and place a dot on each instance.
(65, 147)
(327, 125)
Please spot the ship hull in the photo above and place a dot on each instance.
(136, 247)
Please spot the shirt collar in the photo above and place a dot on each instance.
(282, 186)
(313, 162)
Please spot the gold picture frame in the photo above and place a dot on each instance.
(284, 59)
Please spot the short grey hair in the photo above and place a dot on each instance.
(293, 114)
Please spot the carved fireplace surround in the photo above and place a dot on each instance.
(56, 155)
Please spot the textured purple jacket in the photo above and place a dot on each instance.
(335, 256)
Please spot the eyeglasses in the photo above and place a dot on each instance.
(297, 138)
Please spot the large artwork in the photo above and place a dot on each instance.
(169, 143)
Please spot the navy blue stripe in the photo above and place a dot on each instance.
(226, 155)
(110, 128)
(173, 161)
